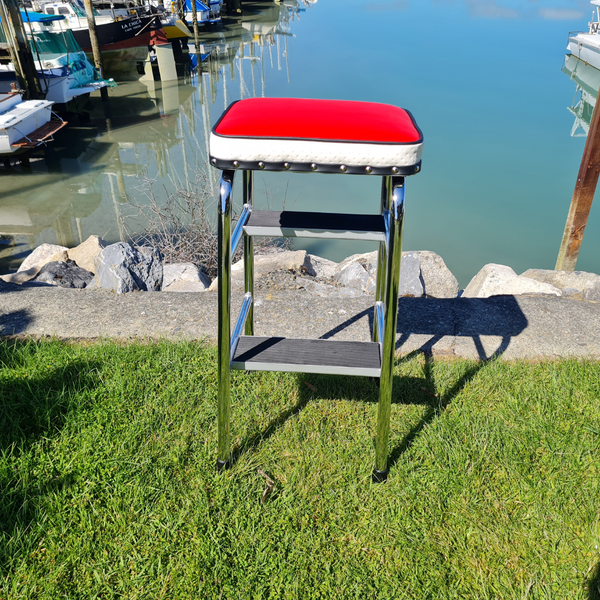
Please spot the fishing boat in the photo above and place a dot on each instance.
(586, 46)
(115, 30)
(63, 69)
(25, 124)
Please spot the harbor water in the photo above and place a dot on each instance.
(485, 80)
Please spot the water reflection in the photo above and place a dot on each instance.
(587, 80)
(77, 185)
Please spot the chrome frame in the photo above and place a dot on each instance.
(395, 190)
(385, 314)
(224, 317)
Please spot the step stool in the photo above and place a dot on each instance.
(312, 136)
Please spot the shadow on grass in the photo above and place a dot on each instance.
(436, 403)
(33, 407)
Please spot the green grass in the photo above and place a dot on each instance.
(108, 487)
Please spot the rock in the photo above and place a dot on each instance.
(368, 260)
(21, 277)
(64, 274)
(321, 267)
(353, 276)
(85, 254)
(563, 280)
(268, 263)
(183, 277)
(45, 251)
(499, 280)
(438, 281)
(410, 276)
(593, 294)
(24, 275)
(122, 268)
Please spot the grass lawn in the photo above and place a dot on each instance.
(108, 486)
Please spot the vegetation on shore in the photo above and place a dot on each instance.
(108, 484)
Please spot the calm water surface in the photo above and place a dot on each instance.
(483, 79)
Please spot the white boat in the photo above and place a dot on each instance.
(63, 68)
(587, 79)
(25, 124)
(586, 46)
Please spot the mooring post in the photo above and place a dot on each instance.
(581, 203)
(89, 11)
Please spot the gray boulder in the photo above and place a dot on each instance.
(410, 276)
(122, 268)
(354, 276)
(322, 267)
(573, 284)
(183, 277)
(41, 253)
(499, 280)
(437, 279)
(64, 274)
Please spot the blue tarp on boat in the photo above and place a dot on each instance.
(199, 6)
(36, 17)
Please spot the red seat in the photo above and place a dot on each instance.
(316, 135)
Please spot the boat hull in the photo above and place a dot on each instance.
(126, 33)
(586, 47)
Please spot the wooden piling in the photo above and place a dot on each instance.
(195, 28)
(19, 48)
(89, 11)
(581, 202)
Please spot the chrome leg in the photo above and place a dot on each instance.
(249, 253)
(224, 317)
(390, 299)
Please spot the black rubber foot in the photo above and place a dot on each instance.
(223, 465)
(380, 476)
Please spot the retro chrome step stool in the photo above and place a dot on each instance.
(321, 136)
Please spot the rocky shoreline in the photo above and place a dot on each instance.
(122, 268)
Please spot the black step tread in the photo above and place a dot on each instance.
(305, 352)
(314, 220)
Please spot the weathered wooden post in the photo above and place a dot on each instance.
(19, 49)
(89, 11)
(581, 203)
(195, 27)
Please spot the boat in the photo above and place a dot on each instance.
(586, 46)
(587, 80)
(206, 13)
(25, 124)
(115, 31)
(63, 69)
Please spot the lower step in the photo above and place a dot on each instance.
(307, 356)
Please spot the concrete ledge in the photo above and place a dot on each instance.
(513, 326)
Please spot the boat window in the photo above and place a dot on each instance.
(49, 10)
(63, 10)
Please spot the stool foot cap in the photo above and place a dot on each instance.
(380, 476)
(223, 465)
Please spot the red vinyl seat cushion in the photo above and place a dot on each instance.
(318, 120)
